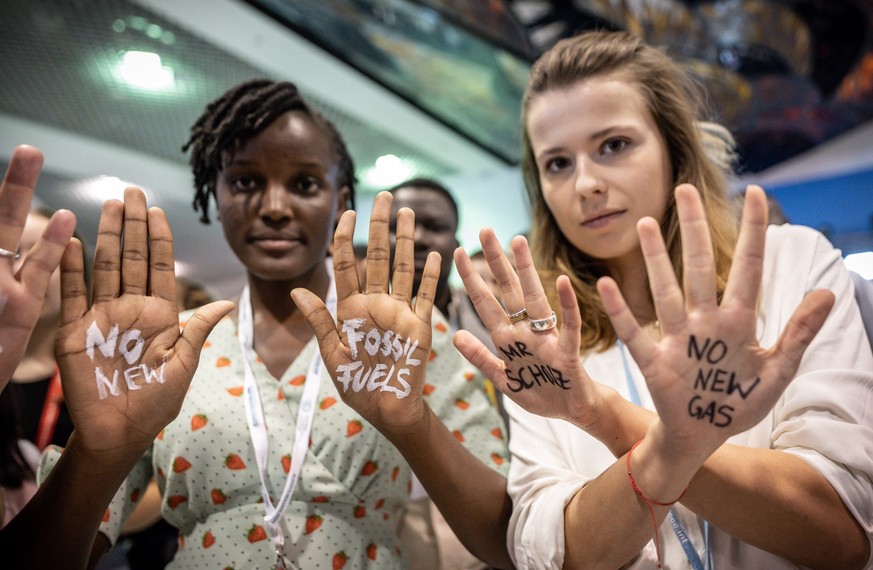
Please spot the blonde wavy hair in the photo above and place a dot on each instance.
(700, 154)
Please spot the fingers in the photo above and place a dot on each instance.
(535, 300)
(107, 252)
(74, 293)
(319, 319)
(135, 245)
(697, 257)
(378, 248)
(16, 192)
(197, 330)
(501, 268)
(345, 266)
(162, 269)
(487, 307)
(744, 281)
(45, 255)
(570, 336)
(666, 294)
(427, 288)
(623, 321)
(479, 356)
(404, 256)
(801, 329)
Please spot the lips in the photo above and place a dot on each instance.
(602, 218)
(275, 241)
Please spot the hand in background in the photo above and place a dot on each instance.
(377, 349)
(22, 293)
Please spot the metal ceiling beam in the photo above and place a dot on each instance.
(259, 40)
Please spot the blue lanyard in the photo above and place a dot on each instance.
(681, 535)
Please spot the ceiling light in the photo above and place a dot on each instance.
(861, 263)
(144, 70)
(387, 171)
(102, 188)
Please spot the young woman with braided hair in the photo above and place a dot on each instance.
(265, 466)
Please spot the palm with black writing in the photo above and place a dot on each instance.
(539, 370)
(377, 349)
(124, 364)
(708, 376)
(22, 292)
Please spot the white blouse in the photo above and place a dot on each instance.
(825, 417)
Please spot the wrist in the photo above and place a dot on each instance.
(410, 431)
(659, 470)
(103, 460)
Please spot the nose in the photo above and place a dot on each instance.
(422, 237)
(275, 203)
(589, 181)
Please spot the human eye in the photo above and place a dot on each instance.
(309, 184)
(555, 164)
(614, 145)
(243, 183)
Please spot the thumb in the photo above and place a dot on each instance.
(805, 323)
(198, 328)
(319, 319)
(479, 356)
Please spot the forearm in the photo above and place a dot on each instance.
(471, 496)
(606, 523)
(68, 508)
(778, 503)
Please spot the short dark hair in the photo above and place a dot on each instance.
(429, 184)
(238, 115)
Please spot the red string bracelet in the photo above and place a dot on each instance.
(649, 502)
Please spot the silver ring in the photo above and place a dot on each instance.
(7, 253)
(539, 325)
(518, 316)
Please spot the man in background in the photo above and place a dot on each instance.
(426, 536)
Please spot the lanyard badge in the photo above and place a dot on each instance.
(257, 425)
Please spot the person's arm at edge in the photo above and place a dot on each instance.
(470, 495)
(82, 486)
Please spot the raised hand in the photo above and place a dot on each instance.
(377, 348)
(125, 366)
(708, 377)
(22, 293)
(538, 369)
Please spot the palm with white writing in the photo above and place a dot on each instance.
(708, 376)
(539, 370)
(124, 365)
(377, 348)
(22, 292)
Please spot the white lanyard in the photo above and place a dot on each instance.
(257, 425)
(681, 535)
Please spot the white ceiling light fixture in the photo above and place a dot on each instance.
(144, 69)
(101, 188)
(861, 263)
(388, 171)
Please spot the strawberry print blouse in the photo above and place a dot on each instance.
(354, 484)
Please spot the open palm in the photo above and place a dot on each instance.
(539, 370)
(377, 348)
(124, 364)
(708, 377)
(22, 292)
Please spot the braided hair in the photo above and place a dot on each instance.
(238, 115)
